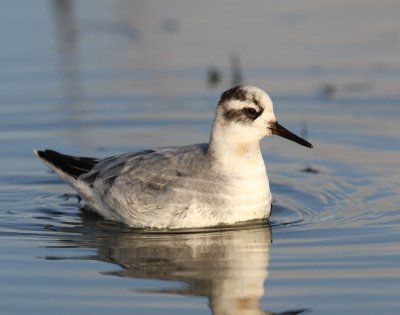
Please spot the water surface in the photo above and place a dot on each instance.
(106, 77)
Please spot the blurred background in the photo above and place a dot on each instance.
(115, 54)
(100, 77)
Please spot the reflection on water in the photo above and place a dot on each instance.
(67, 42)
(228, 266)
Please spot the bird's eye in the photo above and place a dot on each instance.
(250, 112)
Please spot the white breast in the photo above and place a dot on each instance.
(246, 196)
(250, 195)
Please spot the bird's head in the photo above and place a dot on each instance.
(246, 114)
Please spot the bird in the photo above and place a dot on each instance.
(222, 182)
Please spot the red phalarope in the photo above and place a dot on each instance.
(200, 185)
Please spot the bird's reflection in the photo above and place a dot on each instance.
(229, 266)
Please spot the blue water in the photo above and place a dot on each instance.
(97, 78)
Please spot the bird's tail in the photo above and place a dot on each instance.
(66, 165)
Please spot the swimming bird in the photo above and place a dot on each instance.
(221, 182)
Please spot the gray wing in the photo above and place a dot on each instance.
(110, 168)
(143, 181)
(152, 168)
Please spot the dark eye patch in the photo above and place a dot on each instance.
(244, 115)
(251, 112)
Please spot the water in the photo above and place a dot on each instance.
(106, 77)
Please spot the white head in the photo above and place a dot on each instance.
(245, 114)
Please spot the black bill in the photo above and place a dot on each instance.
(279, 130)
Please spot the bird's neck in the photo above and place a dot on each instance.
(233, 155)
